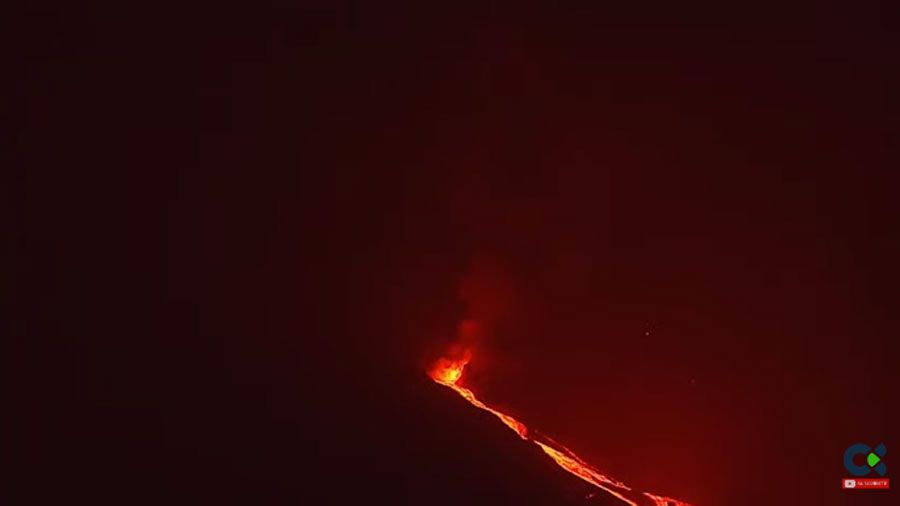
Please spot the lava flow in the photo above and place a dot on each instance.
(448, 372)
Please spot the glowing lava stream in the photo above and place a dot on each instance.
(448, 372)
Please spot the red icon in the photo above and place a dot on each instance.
(866, 483)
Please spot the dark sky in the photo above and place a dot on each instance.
(239, 236)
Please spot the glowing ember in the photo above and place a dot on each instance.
(664, 501)
(448, 372)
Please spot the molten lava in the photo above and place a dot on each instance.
(448, 372)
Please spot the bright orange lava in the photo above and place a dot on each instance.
(448, 372)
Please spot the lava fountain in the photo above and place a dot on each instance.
(448, 372)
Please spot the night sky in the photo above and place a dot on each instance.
(239, 237)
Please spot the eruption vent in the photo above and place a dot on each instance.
(448, 372)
